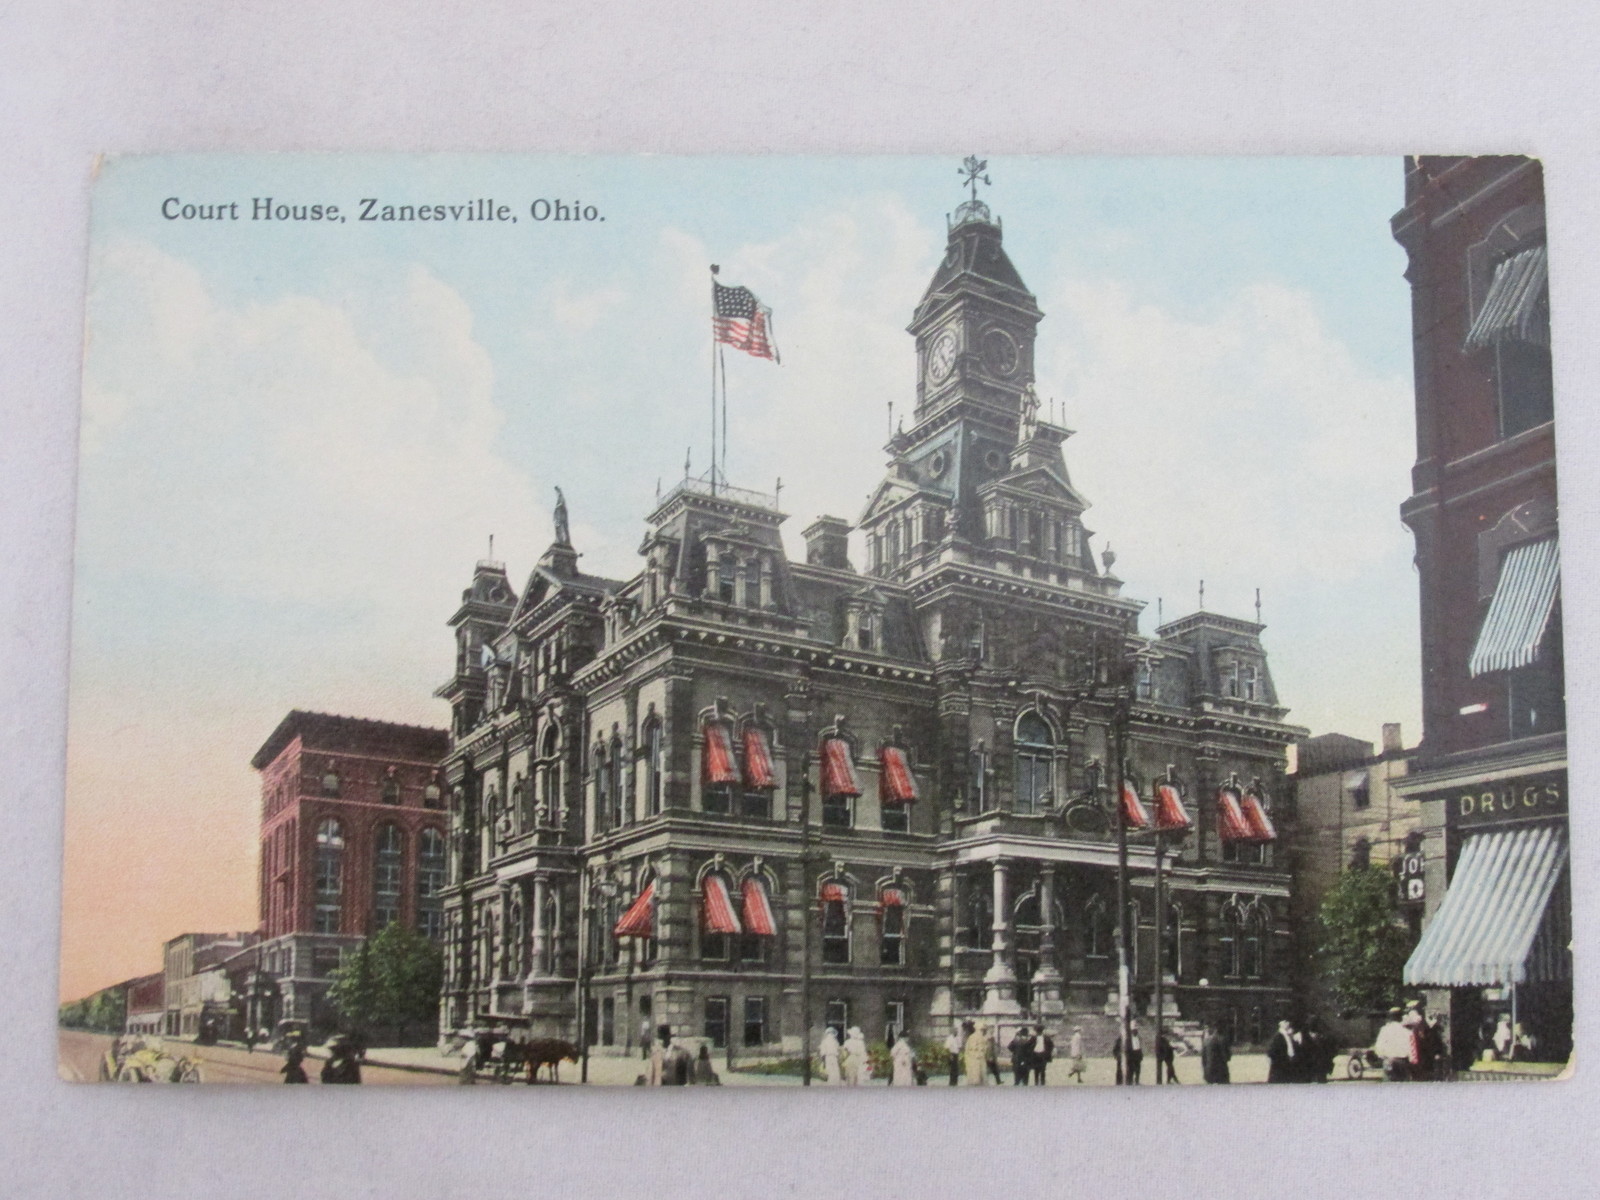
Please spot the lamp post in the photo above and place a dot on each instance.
(608, 889)
(805, 935)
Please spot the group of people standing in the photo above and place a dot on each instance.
(1411, 1044)
(343, 1064)
(1298, 1055)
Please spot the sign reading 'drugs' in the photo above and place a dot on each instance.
(1492, 802)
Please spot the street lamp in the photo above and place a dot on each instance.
(607, 888)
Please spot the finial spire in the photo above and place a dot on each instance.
(1202, 595)
(972, 170)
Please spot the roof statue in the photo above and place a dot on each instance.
(563, 531)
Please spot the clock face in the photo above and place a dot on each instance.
(1000, 351)
(942, 356)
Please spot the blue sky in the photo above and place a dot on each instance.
(297, 438)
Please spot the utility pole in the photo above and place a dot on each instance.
(1124, 1000)
(805, 936)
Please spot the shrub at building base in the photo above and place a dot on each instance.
(389, 989)
(1362, 945)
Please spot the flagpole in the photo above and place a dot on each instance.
(722, 357)
(713, 473)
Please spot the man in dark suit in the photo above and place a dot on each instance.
(1285, 1056)
(1214, 1055)
(1135, 1053)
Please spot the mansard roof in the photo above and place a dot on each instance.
(328, 731)
(975, 260)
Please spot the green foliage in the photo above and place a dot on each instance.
(105, 1012)
(1362, 946)
(392, 982)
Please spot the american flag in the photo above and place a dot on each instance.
(739, 320)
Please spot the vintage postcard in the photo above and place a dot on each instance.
(817, 622)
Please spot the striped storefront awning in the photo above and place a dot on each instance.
(639, 920)
(1171, 815)
(1518, 303)
(717, 907)
(758, 773)
(895, 784)
(1255, 814)
(718, 766)
(1485, 930)
(757, 908)
(1232, 825)
(1524, 599)
(838, 769)
(1133, 809)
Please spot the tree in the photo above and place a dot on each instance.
(391, 983)
(1362, 944)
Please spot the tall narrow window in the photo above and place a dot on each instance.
(1255, 944)
(840, 787)
(717, 1021)
(836, 1016)
(1098, 931)
(388, 868)
(654, 767)
(329, 879)
(892, 929)
(980, 915)
(1035, 760)
(602, 791)
(755, 1021)
(619, 798)
(835, 925)
(430, 883)
(1231, 941)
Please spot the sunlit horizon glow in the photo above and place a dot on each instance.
(297, 440)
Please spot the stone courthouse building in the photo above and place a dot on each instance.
(747, 796)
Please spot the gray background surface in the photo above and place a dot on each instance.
(1161, 76)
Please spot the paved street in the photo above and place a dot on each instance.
(80, 1060)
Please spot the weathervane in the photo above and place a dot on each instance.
(973, 169)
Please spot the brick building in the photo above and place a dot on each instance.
(196, 991)
(352, 837)
(748, 796)
(146, 1004)
(1491, 771)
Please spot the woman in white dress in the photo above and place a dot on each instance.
(855, 1061)
(905, 1063)
(829, 1050)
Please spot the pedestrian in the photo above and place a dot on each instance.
(646, 1042)
(679, 1066)
(1504, 1039)
(829, 1050)
(1166, 1054)
(343, 1065)
(1393, 1046)
(1438, 1047)
(976, 1054)
(1135, 1053)
(904, 1059)
(1044, 1054)
(1284, 1060)
(1318, 1053)
(249, 1041)
(954, 1045)
(1021, 1047)
(294, 1055)
(1214, 1055)
(856, 1068)
(704, 1072)
(992, 1047)
(1075, 1054)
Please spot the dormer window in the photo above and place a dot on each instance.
(727, 578)
(1251, 683)
(866, 632)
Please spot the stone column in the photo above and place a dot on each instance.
(536, 944)
(1000, 982)
(1047, 979)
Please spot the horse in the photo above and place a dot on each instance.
(541, 1052)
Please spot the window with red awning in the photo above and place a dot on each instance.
(891, 897)
(1133, 809)
(838, 769)
(1232, 824)
(639, 920)
(1255, 814)
(1171, 815)
(717, 907)
(758, 773)
(718, 767)
(757, 908)
(895, 784)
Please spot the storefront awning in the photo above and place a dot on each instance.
(1231, 823)
(1518, 303)
(758, 773)
(1171, 815)
(1133, 809)
(639, 920)
(895, 784)
(1485, 929)
(891, 897)
(718, 766)
(1524, 598)
(838, 771)
(1255, 814)
(717, 907)
(757, 908)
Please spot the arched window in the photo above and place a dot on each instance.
(550, 774)
(655, 767)
(1098, 931)
(892, 927)
(1255, 943)
(980, 915)
(430, 883)
(329, 879)
(1172, 940)
(835, 924)
(1231, 940)
(602, 791)
(619, 799)
(388, 866)
(1035, 761)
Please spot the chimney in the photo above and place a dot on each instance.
(828, 543)
(1392, 743)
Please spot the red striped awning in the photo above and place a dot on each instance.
(718, 766)
(639, 920)
(1171, 815)
(1261, 827)
(832, 891)
(757, 908)
(891, 897)
(717, 907)
(895, 784)
(1133, 809)
(1232, 824)
(758, 773)
(838, 771)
